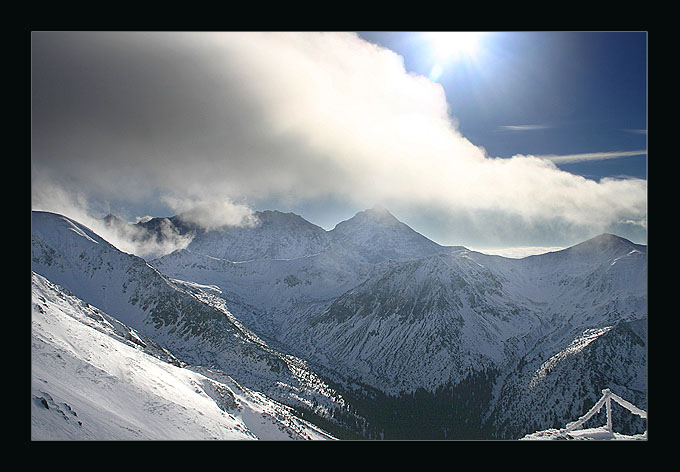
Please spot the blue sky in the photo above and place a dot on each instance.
(525, 139)
(546, 93)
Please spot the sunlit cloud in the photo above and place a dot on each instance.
(211, 214)
(126, 236)
(199, 119)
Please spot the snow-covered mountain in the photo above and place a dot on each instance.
(94, 378)
(275, 235)
(394, 311)
(376, 236)
(186, 319)
(419, 324)
(420, 339)
(539, 393)
(284, 266)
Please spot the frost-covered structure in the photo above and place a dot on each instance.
(574, 429)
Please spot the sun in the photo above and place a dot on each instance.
(453, 45)
(449, 47)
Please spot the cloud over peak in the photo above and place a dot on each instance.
(199, 118)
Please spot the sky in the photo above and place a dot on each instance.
(505, 141)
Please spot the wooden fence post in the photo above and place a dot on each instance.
(607, 393)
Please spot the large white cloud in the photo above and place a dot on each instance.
(246, 117)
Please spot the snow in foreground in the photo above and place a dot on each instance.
(598, 434)
(92, 380)
(603, 433)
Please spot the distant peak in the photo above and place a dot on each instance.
(111, 218)
(379, 209)
(607, 238)
(605, 242)
(276, 214)
(379, 213)
(279, 216)
(371, 219)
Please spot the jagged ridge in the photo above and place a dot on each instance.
(384, 306)
(194, 326)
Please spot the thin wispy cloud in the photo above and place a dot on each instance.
(635, 131)
(589, 156)
(523, 127)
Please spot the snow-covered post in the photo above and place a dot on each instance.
(607, 394)
(606, 400)
(629, 406)
(595, 409)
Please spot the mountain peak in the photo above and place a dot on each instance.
(605, 241)
(380, 212)
(112, 219)
(279, 217)
(377, 235)
(375, 215)
(378, 209)
(56, 227)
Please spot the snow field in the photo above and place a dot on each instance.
(117, 391)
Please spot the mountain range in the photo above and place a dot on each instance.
(371, 328)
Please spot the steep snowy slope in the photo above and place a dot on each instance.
(419, 324)
(93, 378)
(541, 395)
(197, 328)
(593, 285)
(267, 294)
(459, 311)
(271, 293)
